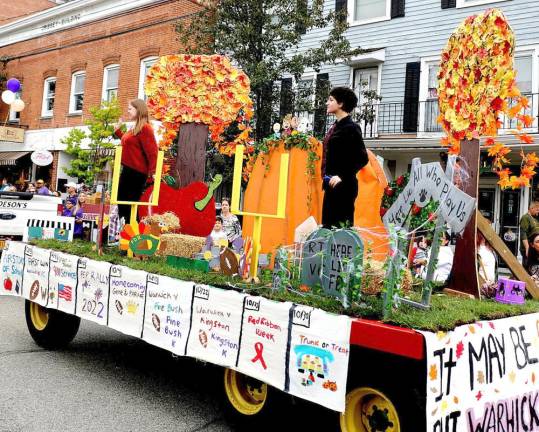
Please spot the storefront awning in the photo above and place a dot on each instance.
(10, 158)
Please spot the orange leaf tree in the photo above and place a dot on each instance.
(198, 90)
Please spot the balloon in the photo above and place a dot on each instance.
(18, 105)
(8, 96)
(14, 85)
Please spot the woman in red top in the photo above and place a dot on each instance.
(139, 156)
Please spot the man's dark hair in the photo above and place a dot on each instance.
(346, 96)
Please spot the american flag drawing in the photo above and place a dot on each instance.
(64, 292)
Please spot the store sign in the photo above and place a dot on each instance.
(42, 157)
(11, 134)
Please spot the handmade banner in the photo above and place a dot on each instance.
(215, 325)
(429, 181)
(12, 266)
(126, 300)
(484, 377)
(167, 318)
(319, 352)
(63, 281)
(264, 340)
(93, 290)
(35, 285)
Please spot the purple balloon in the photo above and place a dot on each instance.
(14, 85)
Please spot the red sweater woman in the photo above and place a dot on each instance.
(139, 156)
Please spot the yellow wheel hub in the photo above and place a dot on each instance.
(369, 410)
(39, 316)
(247, 395)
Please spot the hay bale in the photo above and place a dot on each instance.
(167, 220)
(374, 274)
(180, 245)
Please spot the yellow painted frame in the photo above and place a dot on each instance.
(134, 204)
(257, 226)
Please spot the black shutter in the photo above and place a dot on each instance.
(287, 98)
(411, 97)
(448, 4)
(341, 9)
(322, 92)
(301, 7)
(397, 8)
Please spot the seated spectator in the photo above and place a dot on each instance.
(42, 188)
(231, 224)
(31, 188)
(420, 258)
(5, 184)
(445, 260)
(486, 259)
(532, 264)
(218, 236)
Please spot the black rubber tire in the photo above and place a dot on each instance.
(60, 330)
(275, 400)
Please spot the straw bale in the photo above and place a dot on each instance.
(180, 245)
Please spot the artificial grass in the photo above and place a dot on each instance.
(446, 313)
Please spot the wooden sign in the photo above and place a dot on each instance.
(312, 251)
(11, 134)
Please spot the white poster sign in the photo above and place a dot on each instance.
(215, 325)
(126, 300)
(264, 340)
(35, 284)
(93, 290)
(167, 318)
(319, 353)
(484, 377)
(63, 281)
(12, 266)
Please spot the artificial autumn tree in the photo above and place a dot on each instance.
(476, 87)
(196, 97)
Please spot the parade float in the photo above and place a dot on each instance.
(326, 323)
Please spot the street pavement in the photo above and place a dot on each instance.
(106, 381)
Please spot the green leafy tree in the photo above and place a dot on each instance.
(91, 149)
(263, 38)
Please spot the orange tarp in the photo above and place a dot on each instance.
(261, 197)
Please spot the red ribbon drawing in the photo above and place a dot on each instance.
(259, 348)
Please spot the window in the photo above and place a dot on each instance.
(466, 3)
(76, 100)
(110, 82)
(523, 67)
(15, 116)
(49, 90)
(145, 66)
(365, 85)
(369, 10)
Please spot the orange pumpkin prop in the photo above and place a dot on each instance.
(261, 193)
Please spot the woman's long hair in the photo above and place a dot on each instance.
(142, 114)
(533, 255)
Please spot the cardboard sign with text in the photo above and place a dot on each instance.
(35, 284)
(12, 266)
(93, 290)
(63, 280)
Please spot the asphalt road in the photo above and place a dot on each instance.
(106, 381)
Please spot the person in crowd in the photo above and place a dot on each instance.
(72, 194)
(529, 223)
(68, 209)
(487, 262)
(344, 154)
(5, 184)
(114, 221)
(532, 264)
(444, 262)
(231, 224)
(139, 156)
(42, 188)
(420, 258)
(31, 188)
(78, 214)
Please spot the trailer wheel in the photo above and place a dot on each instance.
(247, 396)
(369, 410)
(50, 329)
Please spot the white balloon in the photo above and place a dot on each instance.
(8, 97)
(18, 105)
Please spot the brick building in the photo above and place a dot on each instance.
(71, 57)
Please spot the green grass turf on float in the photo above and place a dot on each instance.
(446, 312)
